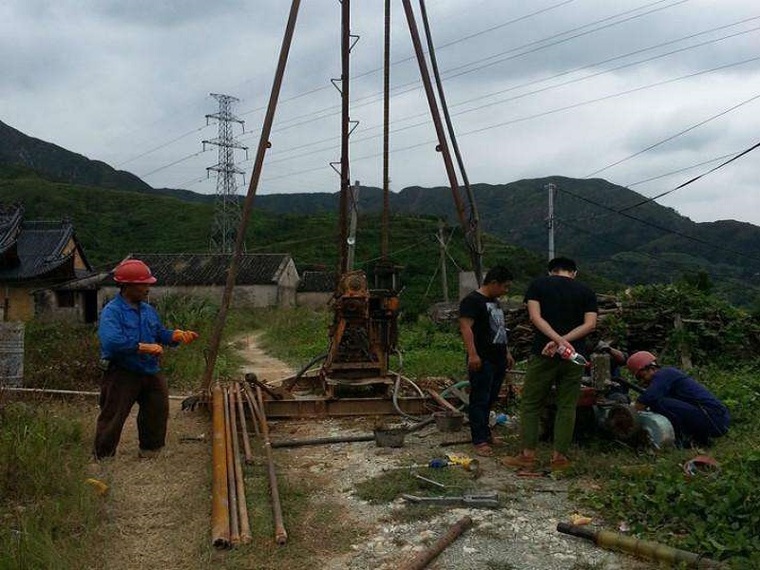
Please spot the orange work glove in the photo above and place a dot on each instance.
(185, 337)
(148, 348)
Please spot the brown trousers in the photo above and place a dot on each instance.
(119, 391)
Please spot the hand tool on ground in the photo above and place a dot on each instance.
(465, 461)
(480, 500)
(426, 480)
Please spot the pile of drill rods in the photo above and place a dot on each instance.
(229, 513)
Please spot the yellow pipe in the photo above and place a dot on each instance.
(641, 548)
(220, 511)
(232, 489)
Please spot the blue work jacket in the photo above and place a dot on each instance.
(673, 383)
(122, 326)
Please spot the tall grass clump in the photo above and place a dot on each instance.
(47, 510)
(61, 355)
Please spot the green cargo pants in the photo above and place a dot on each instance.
(543, 373)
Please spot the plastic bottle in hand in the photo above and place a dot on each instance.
(571, 355)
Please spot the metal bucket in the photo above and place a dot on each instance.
(12, 354)
(390, 437)
(448, 421)
(659, 429)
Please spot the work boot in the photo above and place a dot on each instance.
(520, 461)
(560, 464)
(148, 453)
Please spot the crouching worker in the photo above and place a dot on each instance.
(696, 414)
(131, 343)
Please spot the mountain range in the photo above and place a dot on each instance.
(610, 230)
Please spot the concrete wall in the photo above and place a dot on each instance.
(467, 283)
(288, 282)
(313, 300)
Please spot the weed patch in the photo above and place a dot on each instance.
(47, 510)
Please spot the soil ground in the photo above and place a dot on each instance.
(159, 509)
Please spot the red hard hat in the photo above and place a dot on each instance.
(133, 271)
(639, 360)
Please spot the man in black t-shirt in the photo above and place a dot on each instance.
(562, 312)
(484, 333)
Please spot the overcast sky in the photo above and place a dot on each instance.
(541, 88)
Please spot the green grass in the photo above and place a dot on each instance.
(47, 510)
(717, 516)
(714, 514)
(298, 335)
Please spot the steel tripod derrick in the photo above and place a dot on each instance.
(364, 331)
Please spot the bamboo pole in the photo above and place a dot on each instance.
(220, 515)
(280, 534)
(242, 507)
(241, 415)
(234, 523)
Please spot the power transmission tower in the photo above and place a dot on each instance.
(227, 208)
(550, 221)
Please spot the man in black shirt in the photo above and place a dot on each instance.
(563, 312)
(481, 323)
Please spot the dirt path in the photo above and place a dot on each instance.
(158, 512)
(159, 509)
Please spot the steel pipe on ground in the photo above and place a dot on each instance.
(249, 397)
(220, 512)
(242, 506)
(641, 548)
(322, 441)
(280, 534)
(427, 556)
(241, 414)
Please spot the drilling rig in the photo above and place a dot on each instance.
(363, 334)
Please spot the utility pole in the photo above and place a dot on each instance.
(550, 219)
(352, 226)
(227, 207)
(442, 247)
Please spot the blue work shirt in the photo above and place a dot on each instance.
(674, 383)
(122, 326)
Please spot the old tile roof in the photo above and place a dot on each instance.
(317, 282)
(10, 226)
(35, 250)
(211, 268)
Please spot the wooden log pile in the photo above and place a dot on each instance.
(679, 334)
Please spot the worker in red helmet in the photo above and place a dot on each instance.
(696, 414)
(131, 341)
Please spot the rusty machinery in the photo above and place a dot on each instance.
(364, 332)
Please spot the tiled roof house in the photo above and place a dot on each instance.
(263, 279)
(35, 258)
(316, 288)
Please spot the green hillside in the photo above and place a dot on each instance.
(610, 230)
(111, 224)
